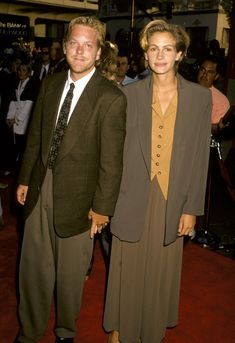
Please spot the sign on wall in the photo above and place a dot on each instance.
(13, 27)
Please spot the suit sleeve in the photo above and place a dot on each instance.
(197, 188)
(112, 136)
(33, 142)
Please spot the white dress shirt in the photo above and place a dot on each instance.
(77, 92)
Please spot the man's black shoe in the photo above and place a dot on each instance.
(64, 340)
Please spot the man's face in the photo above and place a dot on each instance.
(207, 74)
(56, 51)
(45, 55)
(82, 50)
(122, 66)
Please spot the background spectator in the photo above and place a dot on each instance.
(41, 68)
(122, 69)
(58, 61)
(20, 107)
(207, 75)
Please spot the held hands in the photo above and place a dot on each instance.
(99, 222)
(186, 225)
(21, 194)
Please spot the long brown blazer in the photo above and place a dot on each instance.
(189, 161)
(88, 168)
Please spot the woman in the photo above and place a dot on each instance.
(108, 61)
(21, 106)
(162, 190)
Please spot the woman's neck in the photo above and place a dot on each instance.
(164, 82)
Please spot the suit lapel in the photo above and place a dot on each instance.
(53, 95)
(181, 113)
(80, 116)
(182, 117)
(145, 120)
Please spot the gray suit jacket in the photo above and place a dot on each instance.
(189, 162)
(88, 168)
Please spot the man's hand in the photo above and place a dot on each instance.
(21, 194)
(98, 222)
(186, 224)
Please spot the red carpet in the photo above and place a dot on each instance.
(207, 308)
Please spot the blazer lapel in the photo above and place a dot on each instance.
(80, 116)
(145, 120)
(53, 95)
(180, 124)
(181, 113)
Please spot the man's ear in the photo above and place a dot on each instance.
(98, 54)
(217, 76)
(64, 48)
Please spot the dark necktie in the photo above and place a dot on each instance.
(60, 127)
(43, 73)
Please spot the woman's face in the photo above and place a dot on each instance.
(23, 72)
(161, 53)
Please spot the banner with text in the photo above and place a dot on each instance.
(13, 27)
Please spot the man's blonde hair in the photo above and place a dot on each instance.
(90, 21)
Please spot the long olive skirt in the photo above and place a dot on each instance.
(144, 280)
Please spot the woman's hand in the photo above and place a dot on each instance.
(186, 224)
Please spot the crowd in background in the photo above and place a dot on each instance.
(20, 66)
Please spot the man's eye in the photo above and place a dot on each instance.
(72, 43)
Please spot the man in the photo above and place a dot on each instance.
(68, 192)
(207, 75)
(122, 68)
(41, 69)
(58, 60)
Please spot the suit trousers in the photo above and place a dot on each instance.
(50, 265)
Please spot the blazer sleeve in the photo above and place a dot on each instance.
(113, 130)
(199, 170)
(32, 149)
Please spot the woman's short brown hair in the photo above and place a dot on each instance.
(159, 25)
